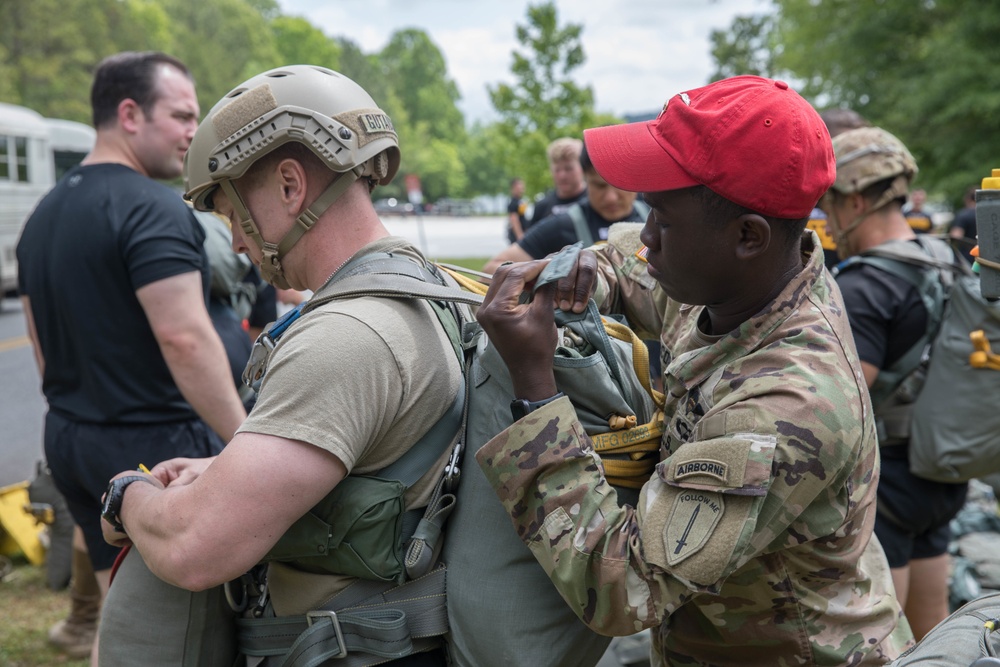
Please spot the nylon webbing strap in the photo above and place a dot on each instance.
(580, 225)
(365, 624)
(388, 286)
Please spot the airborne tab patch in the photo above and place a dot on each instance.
(376, 122)
(692, 521)
(716, 469)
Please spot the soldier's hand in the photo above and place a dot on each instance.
(574, 291)
(180, 471)
(523, 333)
(111, 535)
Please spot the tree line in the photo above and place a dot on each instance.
(48, 50)
(923, 69)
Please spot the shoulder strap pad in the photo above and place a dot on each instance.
(575, 212)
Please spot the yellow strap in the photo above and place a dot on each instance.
(627, 473)
(982, 356)
(465, 282)
(630, 456)
(640, 357)
(645, 437)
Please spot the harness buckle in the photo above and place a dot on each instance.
(453, 470)
(313, 616)
(240, 605)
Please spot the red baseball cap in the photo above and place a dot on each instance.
(752, 140)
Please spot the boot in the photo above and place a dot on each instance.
(75, 634)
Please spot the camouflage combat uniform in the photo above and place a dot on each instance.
(752, 543)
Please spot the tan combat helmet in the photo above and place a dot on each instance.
(865, 156)
(868, 155)
(317, 107)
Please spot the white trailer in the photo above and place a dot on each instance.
(34, 153)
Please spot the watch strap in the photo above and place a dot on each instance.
(115, 495)
(521, 407)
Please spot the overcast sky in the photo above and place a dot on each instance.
(639, 52)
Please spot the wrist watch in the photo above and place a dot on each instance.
(113, 498)
(520, 407)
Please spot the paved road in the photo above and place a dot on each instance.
(22, 407)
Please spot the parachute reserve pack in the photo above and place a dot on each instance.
(935, 396)
(501, 607)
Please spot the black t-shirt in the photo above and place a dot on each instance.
(919, 221)
(558, 231)
(966, 221)
(553, 204)
(886, 313)
(101, 234)
(517, 207)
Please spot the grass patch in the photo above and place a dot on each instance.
(30, 608)
(474, 263)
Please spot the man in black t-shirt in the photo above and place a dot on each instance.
(605, 206)
(963, 227)
(920, 221)
(516, 208)
(888, 318)
(567, 175)
(114, 277)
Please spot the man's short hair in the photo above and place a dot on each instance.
(129, 75)
(840, 120)
(564, 148)
(721, 211)
(585, 162)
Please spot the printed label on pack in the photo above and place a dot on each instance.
(692, 520)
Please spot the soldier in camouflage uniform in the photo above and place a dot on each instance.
(752, 541)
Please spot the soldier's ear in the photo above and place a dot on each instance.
(291, 178)
(753, 236)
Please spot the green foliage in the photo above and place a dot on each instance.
(49, 48)
(424, 110)
(224, 42)
(416, 71)
(924, 70)
(745, 48)
(488, 150)
(544, 103)
(544, 98)
(299, 42)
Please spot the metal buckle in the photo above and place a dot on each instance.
(332, 615)
(453, 471)
(257, 363)
(241, 605)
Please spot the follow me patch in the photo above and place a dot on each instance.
(692, 521)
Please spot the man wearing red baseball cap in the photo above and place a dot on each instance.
(751, 543)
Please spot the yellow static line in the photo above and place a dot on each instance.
(13, 343)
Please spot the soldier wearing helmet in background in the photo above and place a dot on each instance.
(291, 156)
(889, 320)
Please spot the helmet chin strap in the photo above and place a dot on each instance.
(843, 249)
(899, 187)
(270, 266)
